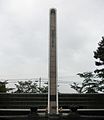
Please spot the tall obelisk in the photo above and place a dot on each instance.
(52, 91)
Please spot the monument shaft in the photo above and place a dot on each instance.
(52, 91)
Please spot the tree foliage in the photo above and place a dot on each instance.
(29, 87)
(26, 87)
(99, 56)
(3, 88)
(89, 84)
(43, 89)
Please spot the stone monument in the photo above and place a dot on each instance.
(52, 85)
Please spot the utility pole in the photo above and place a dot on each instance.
(40, 82)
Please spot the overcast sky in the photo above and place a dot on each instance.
(24, 36)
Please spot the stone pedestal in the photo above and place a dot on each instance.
(54, 117)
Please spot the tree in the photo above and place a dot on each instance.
(26, 87)
(89, 84)
(43, 89)
(30, 87)
(3, 88)
(99, 56)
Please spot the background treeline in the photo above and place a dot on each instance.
(23, 87)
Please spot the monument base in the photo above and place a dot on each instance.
(53, 116)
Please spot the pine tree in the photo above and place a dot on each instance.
(99, 56)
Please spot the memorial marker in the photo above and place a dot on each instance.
(52, 91)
